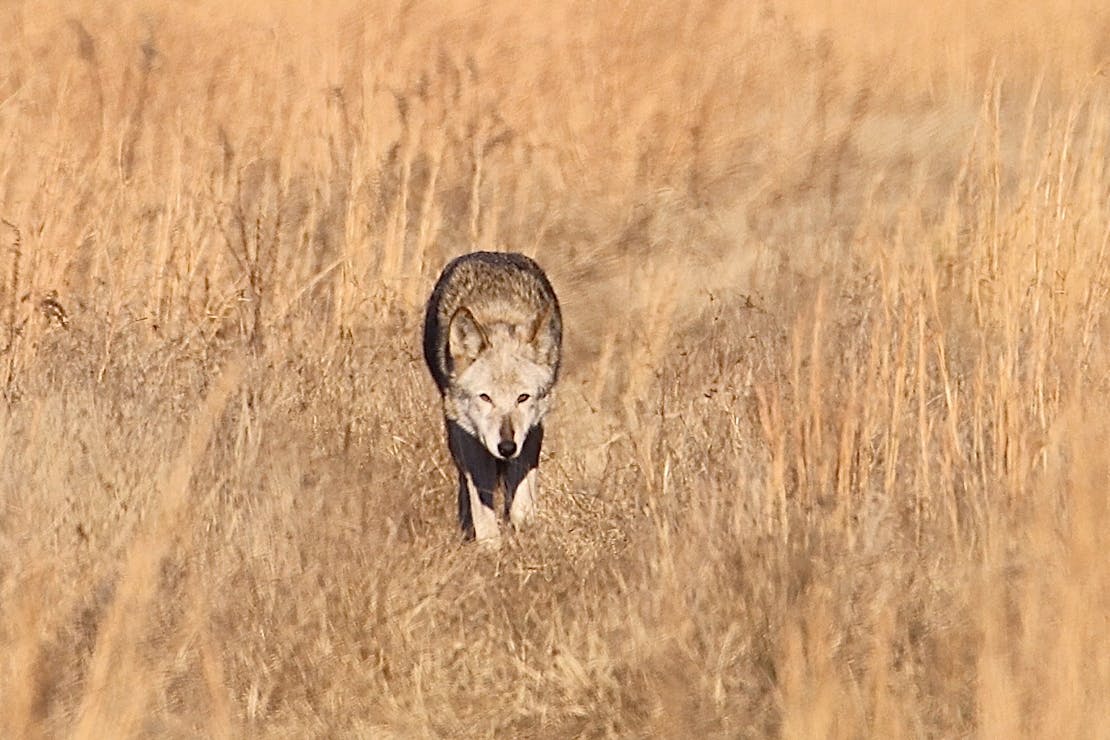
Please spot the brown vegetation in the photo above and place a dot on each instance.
(829, 455)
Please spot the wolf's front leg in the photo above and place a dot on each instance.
(482, 514)
(520, 479)
(477, 482)
(466, 521)
(523, 508)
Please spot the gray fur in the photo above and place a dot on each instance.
(493, 341)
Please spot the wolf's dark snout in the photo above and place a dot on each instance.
(507, 448)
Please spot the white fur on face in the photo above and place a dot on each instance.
(516, 387)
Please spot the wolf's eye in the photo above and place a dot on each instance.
(522, 398)
(485, 397)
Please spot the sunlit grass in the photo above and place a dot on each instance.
(828, 457)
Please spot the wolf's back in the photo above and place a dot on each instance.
(497, 287)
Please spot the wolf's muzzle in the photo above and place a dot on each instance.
(506, 447)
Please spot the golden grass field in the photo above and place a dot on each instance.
(830, 452)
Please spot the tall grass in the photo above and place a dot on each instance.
(829, 452)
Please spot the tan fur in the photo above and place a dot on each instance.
(523, 509)
(504, 371)
(492, 341)
(486, 529)
(494, 297)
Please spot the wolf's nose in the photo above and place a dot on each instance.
(506, 448)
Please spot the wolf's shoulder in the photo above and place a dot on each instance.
(490, 263)
(479, 277)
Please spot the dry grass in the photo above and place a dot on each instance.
(830, 451)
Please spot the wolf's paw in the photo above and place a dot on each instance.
(490, 543)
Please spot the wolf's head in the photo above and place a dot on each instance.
(503, 373)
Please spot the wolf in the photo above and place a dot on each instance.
(493, 336)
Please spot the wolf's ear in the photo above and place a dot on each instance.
(466, 338)
(541, 334)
